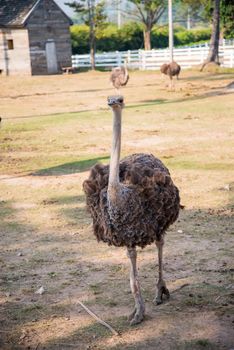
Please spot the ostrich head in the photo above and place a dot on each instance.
(115, 102)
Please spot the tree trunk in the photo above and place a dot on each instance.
(92, 49)
(213, 55)
(147, 37)
(92, 34)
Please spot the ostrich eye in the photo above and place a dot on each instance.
(121, 100)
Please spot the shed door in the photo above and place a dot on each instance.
(51, 57)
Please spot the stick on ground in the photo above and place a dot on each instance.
(98, 319)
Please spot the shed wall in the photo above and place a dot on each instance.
(47, 22)
(15, 61)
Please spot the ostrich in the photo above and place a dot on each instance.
(132, 202)
(119, 76)
(171, 69)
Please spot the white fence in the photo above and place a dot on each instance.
(153, 59)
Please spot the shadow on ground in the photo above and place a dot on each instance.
(184, 99)
(70, 168)
(199, 253)
(208, 76)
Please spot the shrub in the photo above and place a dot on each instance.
(184, 38)
(201, 34)
(130, 37)
(107, 38)
(159, 37)
(80, 39)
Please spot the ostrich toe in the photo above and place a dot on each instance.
(162, 290)
(136, 316)
(132, 314)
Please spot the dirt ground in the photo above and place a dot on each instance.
(88, 91)
(53, 129)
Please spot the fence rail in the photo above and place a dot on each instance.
(153, 59)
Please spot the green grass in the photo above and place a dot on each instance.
(96, 288)
(26, 312)
(50, 145)
(79, 165)
(70, 143)
(193, 165)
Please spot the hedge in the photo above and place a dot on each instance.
(130, 37)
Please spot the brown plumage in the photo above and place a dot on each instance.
(172, 69)
(132, 202)
(119, 76)
(152, 202)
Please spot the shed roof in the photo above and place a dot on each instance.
(14, 13)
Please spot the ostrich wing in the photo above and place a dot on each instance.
(173, 69)
(153, 203)
(119, 77)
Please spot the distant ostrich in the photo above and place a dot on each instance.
(171, 69)
(119, 76)
(132, 202)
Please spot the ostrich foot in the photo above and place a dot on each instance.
(132, 314)
(136, 316)
(162, 290)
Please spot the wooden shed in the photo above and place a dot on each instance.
(34, 37)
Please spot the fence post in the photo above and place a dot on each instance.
(129, 56)
(190, 55)
(118, 57)
(232, 59)
(143, 59)
(167, 54)
(202, 51)
(139, 59)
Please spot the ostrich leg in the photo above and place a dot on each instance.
(161, 285)
(139, 311)
(171, 83)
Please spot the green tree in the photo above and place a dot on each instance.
(213, 54)
(93, 16)
(211, 12)
(80, 38)
(148, 12)
(227, 18)
(221, 15)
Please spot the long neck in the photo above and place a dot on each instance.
(126, 68)
(113, 183)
